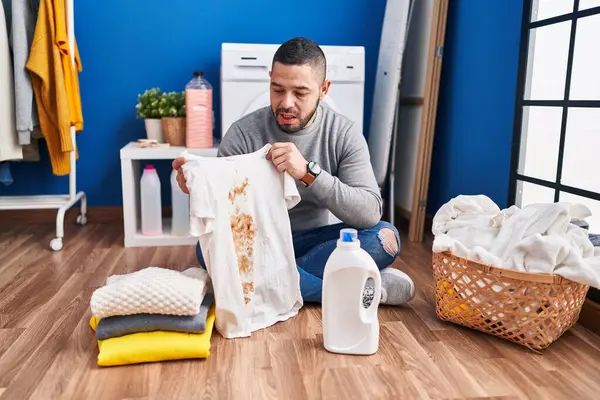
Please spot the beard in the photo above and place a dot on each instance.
(303, 122)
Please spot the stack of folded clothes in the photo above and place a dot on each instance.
(154, 314)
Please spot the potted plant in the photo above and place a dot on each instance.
(172, 110)
(148, 108)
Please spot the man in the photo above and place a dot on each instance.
(330, 160)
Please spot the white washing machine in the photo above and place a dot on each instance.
(245, 80)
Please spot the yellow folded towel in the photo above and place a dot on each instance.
(156, 346)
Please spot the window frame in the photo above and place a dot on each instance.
(520, 103)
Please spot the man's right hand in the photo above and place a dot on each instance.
(177, 163)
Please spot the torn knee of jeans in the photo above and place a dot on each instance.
(388, 241)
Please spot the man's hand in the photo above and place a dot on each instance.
(177, 163)
(287, 157)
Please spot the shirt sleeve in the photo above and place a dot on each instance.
(202, 208)
(290, 191)
(353, 195)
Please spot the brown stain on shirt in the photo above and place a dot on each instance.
(243, 230)
(248, 290)
(238, 190)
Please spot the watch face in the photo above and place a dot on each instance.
(315, 169)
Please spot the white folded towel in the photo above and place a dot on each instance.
(152, 290)
(538, 238)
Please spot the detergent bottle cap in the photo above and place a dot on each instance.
(348, 235)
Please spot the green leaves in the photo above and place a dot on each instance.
(154, 103)
(148, 103)
(172, 104)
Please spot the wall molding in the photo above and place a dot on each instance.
(589, 317)
(94, 214)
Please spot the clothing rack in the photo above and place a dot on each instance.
(60, 202)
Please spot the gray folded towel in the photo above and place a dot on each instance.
(126, 324)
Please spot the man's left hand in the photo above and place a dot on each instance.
(287, 157)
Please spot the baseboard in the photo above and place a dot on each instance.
(115, 214)
(99, 215)
(402, 212)
(402, 219)
(94, 214)
(428, 222)
(590, 316)
(594, 295)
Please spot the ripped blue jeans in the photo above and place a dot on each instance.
(314, 246)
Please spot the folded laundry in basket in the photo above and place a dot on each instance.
(538, 238)
(152, 290)
(126, 324)
(156, 346)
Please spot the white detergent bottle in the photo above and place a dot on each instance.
(349, 327)
(180, 204)
(151, 202)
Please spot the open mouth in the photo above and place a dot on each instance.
(287, 118)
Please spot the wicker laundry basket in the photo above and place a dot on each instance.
(533, 310)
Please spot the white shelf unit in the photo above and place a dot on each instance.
(59, 202)
(131, 157)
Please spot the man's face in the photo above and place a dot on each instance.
(295, 93)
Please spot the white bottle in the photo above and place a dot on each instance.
(151, 202)
(180, 204)
(349, 327)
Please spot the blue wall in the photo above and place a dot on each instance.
(160, 43)
(474, 125)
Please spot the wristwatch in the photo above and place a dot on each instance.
(312, 171)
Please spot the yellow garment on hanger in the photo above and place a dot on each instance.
(156, 346)
(71, 77)
(55, 83)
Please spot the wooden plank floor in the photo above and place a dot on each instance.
(47, 349)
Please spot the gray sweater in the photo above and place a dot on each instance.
(347, 185)
(24, 13)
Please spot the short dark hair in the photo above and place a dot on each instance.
(302, 51)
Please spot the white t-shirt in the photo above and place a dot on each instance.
(239, 210)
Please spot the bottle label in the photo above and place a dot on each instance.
(199, 118)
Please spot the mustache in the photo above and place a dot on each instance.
(287, 111)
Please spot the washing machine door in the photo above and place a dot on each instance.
(264, 100)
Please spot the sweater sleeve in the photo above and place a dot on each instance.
(353, 195)
(23, 22)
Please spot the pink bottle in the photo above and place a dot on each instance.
(199, 112)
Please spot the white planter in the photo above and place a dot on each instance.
(154, 129)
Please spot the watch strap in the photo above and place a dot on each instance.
(309, 177)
